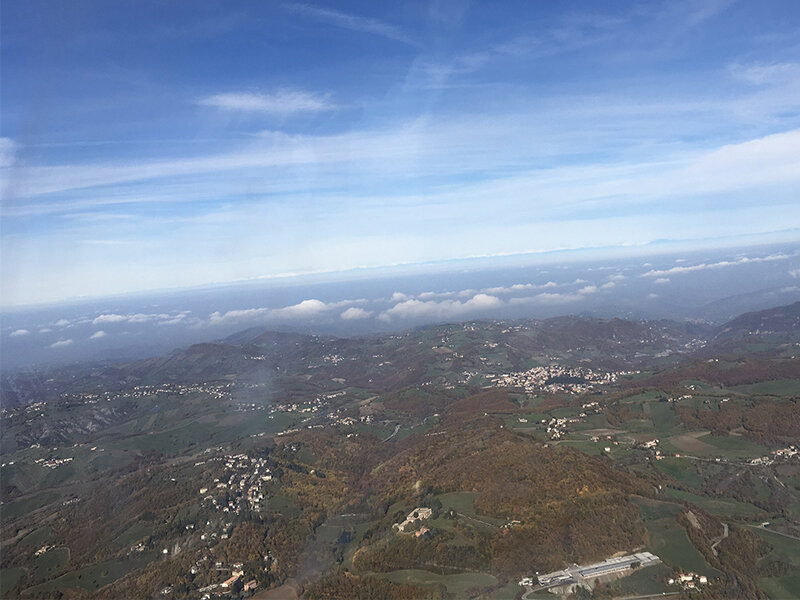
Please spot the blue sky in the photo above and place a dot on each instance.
(149, 145)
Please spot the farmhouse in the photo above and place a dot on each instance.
(415, 515)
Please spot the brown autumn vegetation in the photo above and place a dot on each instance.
(763, 421)
(726, 373)
(346, 586)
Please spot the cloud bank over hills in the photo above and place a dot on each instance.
(714, 286)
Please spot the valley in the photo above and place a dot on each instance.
(275, 463)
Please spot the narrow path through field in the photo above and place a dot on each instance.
(394, 433)
(791, 537)
(478, 521)
(724, 535)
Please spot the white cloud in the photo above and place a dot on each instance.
(448, 147)
(281, 102)
(8, 151)
(19, 333)
(723, 263)
(548, 298)
(517, 287)
(443, 309)
(109, 318)
(557, 298)
(45, 330)
(430, 295)
(61, 344)
(766, 73)
(351, 21)
(522, 287)
(662, 280)
(234, 316)
(795, 273)
(608, 285)
(97, 335)
(306, 308)
(176, 320)
(354, 312)
(162, 318)
(433, 303)
(62, 323)
(145, 318)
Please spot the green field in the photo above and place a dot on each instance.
(532, 418)
(652, 510)
(784, 549)
(457, 585)
(464, 502)
(723, 507)
(173, 441)
(51, 562)
(213, 429)
(133, 534)
(507, 592)
(93, 577)
(781, 588)
(584, 445)
(668, 540)
(734, 446)
(9, 578)
(650, 580)
(663, 416)
(282, 504)
(779, 387)
(18, 508)
(36, 538)
(681, 470)
(423, 427)
(647, 396)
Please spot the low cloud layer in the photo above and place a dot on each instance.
(442, 309)
(717, 265)
(556, 297)
(160, 318)
(307, 309)
(353, 313)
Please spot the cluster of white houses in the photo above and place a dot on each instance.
(787, 453)
(557, 379)
(689, 581)
(218, 390)
(246, 475)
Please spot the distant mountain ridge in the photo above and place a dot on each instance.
(260, 354)
(781, 320)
